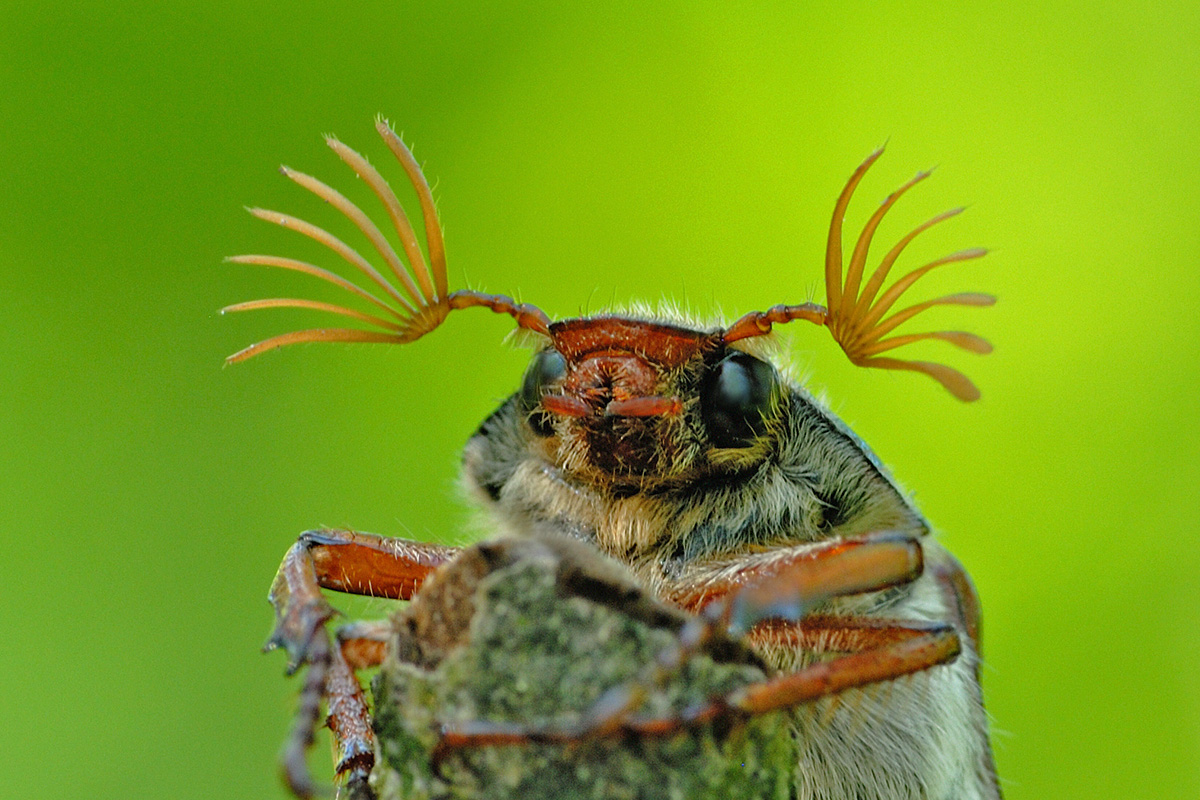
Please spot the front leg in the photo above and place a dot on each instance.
(356, 563)
(346, 561)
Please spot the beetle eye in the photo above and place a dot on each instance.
(546, 367)
(735, 398)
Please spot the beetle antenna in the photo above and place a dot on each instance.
(855, 318)
(426, 299)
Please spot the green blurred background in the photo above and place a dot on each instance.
(581, 156)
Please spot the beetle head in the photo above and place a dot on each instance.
(634, 403)
(609, 394)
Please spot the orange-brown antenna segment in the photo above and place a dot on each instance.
(855, 319)
(409, 314)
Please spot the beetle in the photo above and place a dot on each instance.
(684, 453)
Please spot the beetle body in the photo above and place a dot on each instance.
(686, 454)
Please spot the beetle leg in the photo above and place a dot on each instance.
(356, 563)
(811, 571)
(331, 676)
(963, 602)
(893, 651)
(302, 735)
(822, 633)
(363, 643)
(960, 595)
(360, 645)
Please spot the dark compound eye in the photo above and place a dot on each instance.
(735, 397)
(546, 367)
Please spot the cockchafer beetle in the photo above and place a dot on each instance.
(682, 452)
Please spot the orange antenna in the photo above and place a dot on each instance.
(408, 315)
(855, 318)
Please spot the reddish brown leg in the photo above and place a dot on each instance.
(356, 563)
(773, 604)
(350, 562)
(292, 762)
(893, 651)
(821, 633)
(360, 645)
(812, 572)
(960, 596)
(363, 643)
(964, 604)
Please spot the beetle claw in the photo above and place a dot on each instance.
(298, 626)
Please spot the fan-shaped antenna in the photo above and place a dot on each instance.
(855, 316)
(401, 316)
